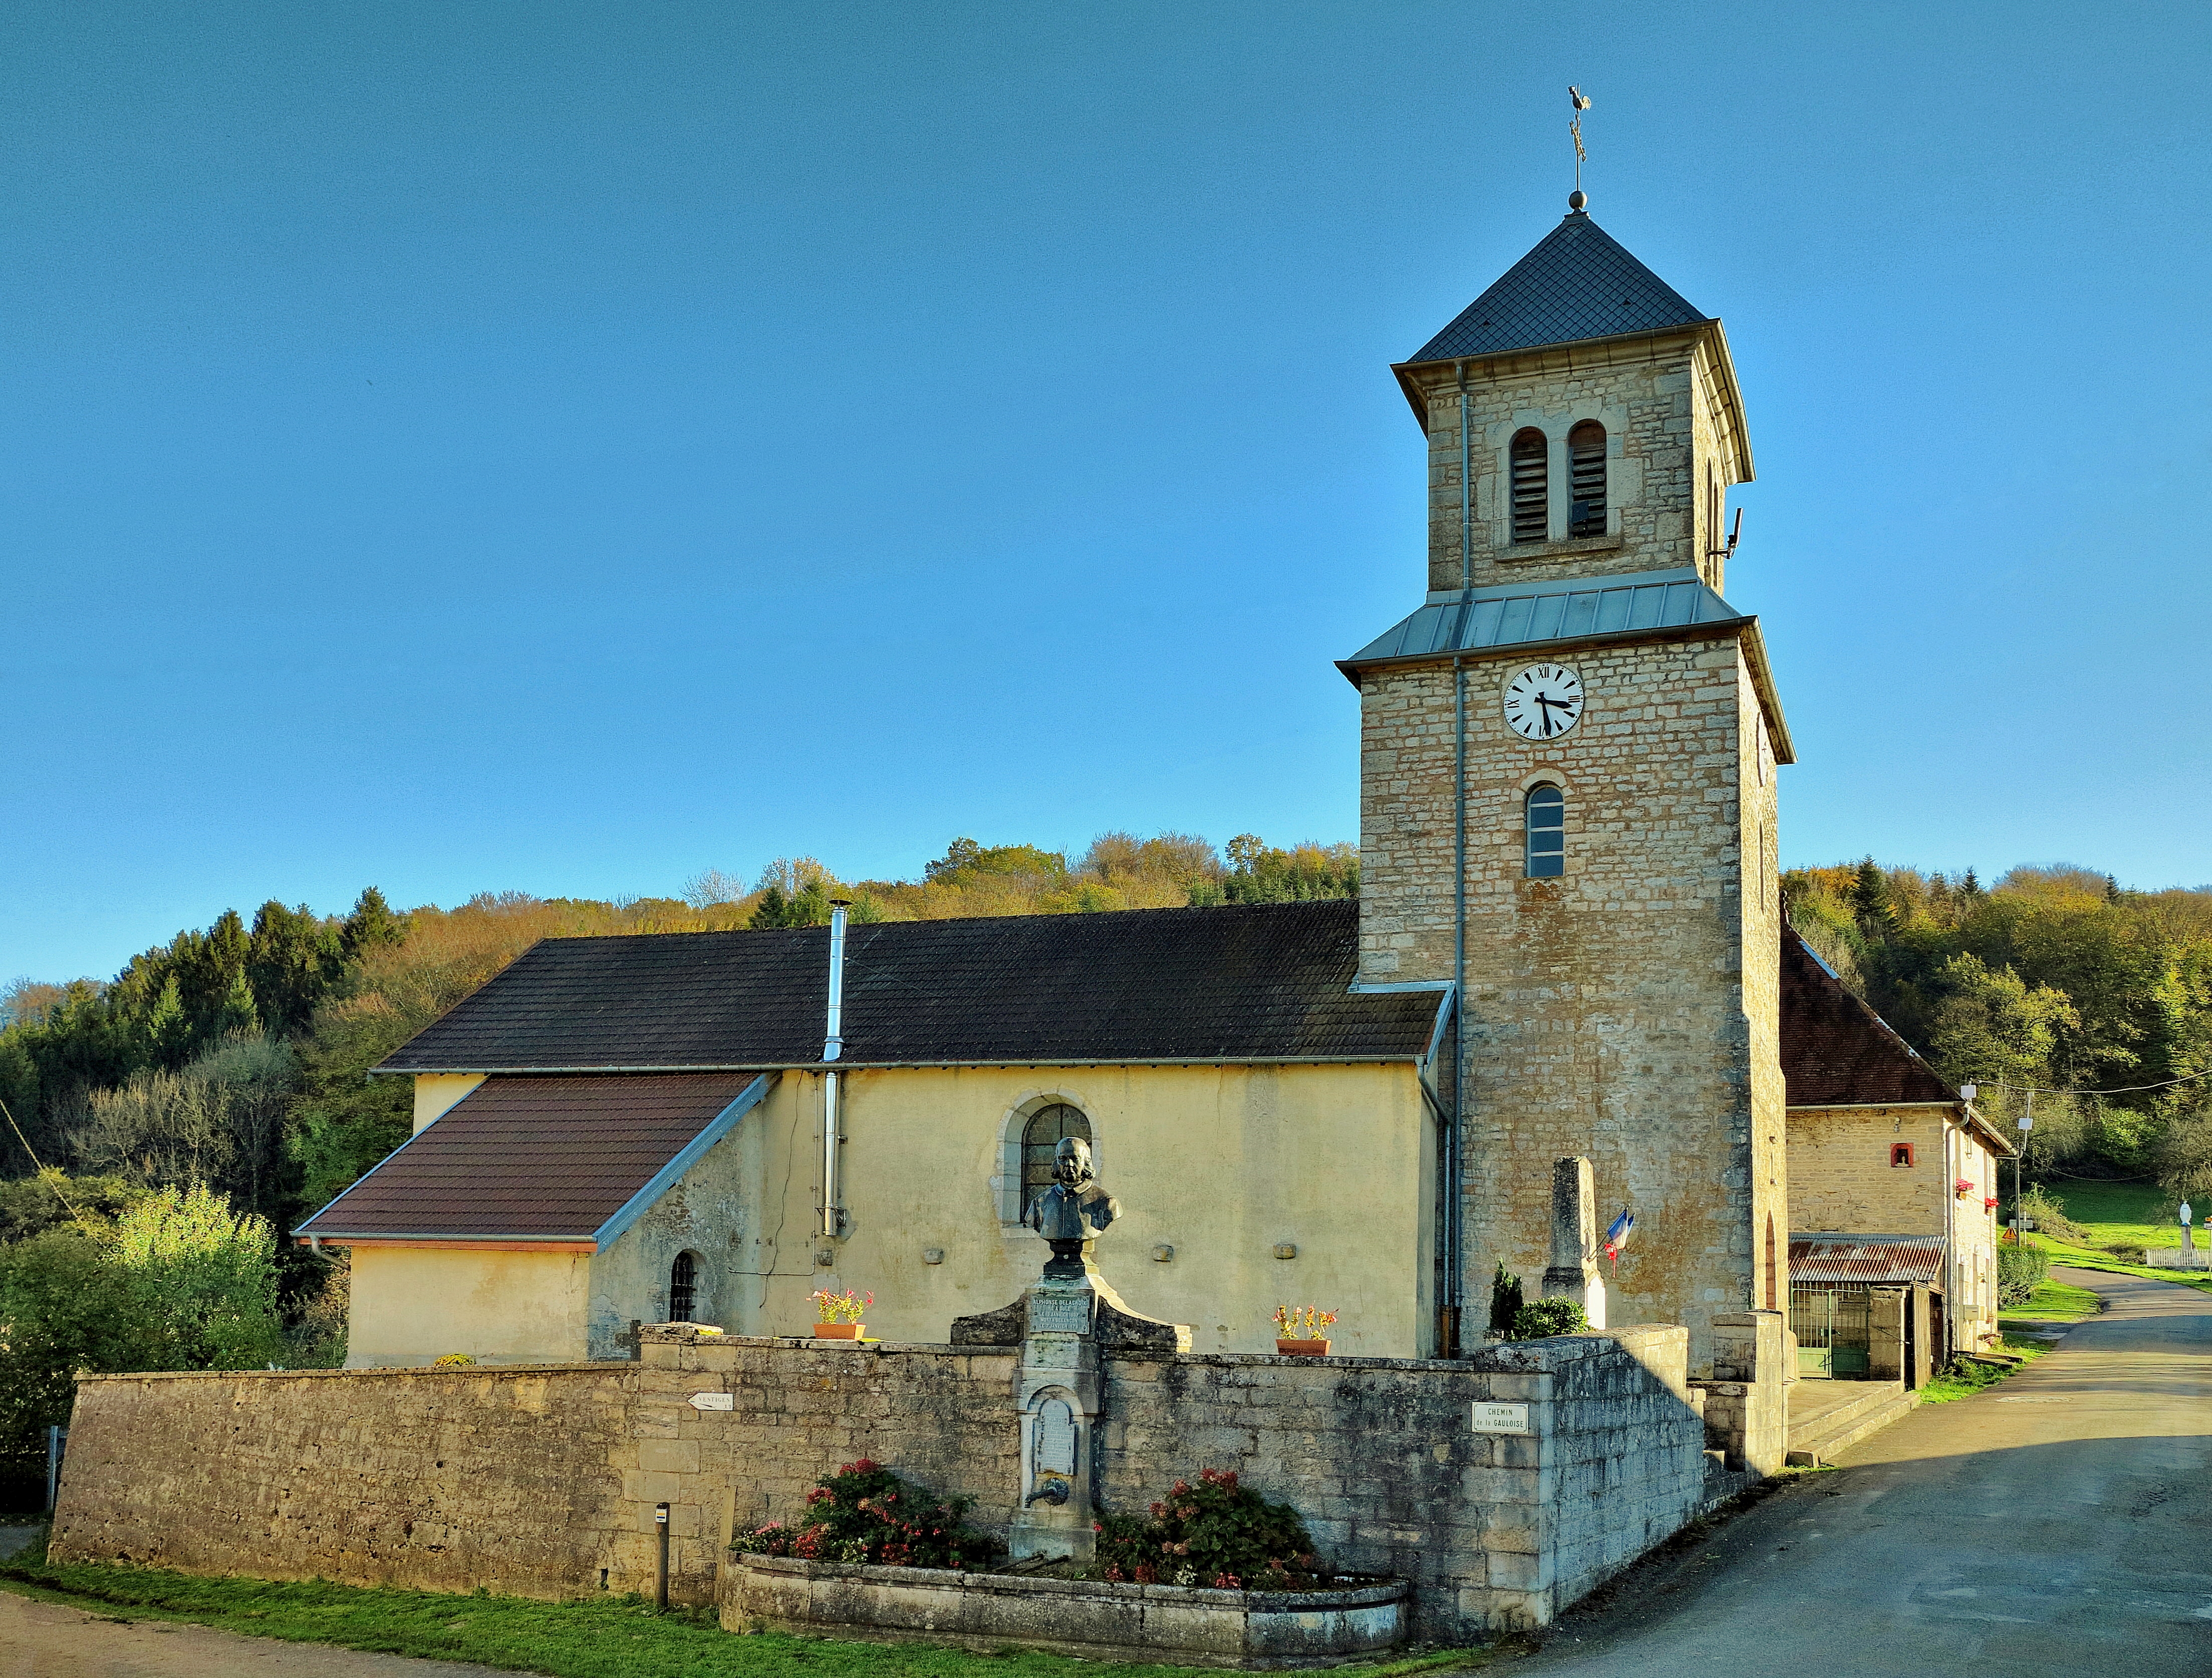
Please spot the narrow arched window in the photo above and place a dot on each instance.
(1532, 491)
(1546, 812)
(1586, 480)
(1041, 1138)
(682, 1288)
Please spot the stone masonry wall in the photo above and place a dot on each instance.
(1666, 443)
(541, 1480)
(1625, 1011)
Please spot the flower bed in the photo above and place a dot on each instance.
(1251, 1629)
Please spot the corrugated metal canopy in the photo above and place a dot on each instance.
(1894, 1259)
(1531, 614)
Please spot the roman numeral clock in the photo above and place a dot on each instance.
(1543, 701)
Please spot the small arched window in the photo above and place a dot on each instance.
(1532, 491)
(1041, 1140)
(1586, 480)
(1546, 810)
(1900, 1153)
(682, 1288)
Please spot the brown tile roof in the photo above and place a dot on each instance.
(534, 1158)
(1253, 982)
(1837, 1051)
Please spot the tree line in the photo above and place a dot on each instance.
(2055, 985)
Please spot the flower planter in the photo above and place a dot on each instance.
(1250, 1629)
(1302, 1348)
(840, 1330)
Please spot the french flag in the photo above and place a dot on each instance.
(1616, 1237)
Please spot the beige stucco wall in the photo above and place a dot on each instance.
(1221, 1163)
(436, 1093)
(1841, 1182)
(1625, 1011)
(412, 1304)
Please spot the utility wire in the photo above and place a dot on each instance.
(83, 1221)
(2128, 1090)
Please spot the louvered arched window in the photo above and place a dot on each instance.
(1531, 457)
(1546, 812)
(1586, 480)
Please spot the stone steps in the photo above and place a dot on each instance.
(1822, 1425)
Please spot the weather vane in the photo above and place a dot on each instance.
(1581, 102)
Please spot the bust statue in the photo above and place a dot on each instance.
(1076, 1207)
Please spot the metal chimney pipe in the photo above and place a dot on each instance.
(833, 1046)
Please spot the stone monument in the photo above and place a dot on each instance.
(1573, 1272)
(1065, 1321)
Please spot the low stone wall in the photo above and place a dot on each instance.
(1142, 1622)
(541, 1480)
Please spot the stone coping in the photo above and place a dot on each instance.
(1534, 1356)
(1372, 1594)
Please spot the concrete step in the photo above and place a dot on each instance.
(1830, 1434)
(1815, 1407)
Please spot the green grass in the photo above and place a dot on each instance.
(2123, 1214)
(1963, 1378)
(2054, 1302)
(598, 1636)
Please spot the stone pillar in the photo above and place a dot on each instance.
(1573, 1273)
(1057, 1391)
(1747, 1400)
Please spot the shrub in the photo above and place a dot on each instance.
(2019, 1269)
(2048, 1213)
(864, 1512)
(1505, 1300)
(1215, 1534)
(1540, 1319)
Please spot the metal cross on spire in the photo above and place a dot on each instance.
(1581, 102)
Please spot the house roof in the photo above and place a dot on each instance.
(1865, 1258)
(1578, 283)
(1249, 983)
(1838, 1052)
(552, 1160)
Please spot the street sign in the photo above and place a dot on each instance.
(1501, 1419)
(713, 1401)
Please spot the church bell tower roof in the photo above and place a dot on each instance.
(1578, 283)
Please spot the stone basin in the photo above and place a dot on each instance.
(1250, 1629)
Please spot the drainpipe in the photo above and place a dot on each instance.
(1455, 1209)
(833, 1046)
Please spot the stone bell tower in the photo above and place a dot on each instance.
(1567, 766)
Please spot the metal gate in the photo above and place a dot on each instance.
(1831, 1326)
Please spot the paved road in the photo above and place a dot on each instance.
(2061, 1524)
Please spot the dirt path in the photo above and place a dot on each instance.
(55, 1640)
(2055, 1525)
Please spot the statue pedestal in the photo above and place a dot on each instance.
(1057, 1393)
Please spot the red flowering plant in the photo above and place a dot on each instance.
(864, 1512)
(1216, 1534)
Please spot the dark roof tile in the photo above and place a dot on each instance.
(1837, 1051)
(1578, 283)
(1249, 982)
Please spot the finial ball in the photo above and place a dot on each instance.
(1578, 199)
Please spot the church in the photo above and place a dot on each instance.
(1567, 943)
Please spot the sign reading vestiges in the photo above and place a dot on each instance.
(1501, 1418)
(713, 1401)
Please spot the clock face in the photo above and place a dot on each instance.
(1543, 701)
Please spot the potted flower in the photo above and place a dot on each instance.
(1302, 1331)
(838, 1315)
(1963, 1186)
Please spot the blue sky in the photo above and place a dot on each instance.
(564, 447)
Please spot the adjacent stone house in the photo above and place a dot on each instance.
(1885, 1158)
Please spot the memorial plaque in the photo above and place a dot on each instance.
(1056, 1438)
(1501, 1419)
(1059, 1313)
